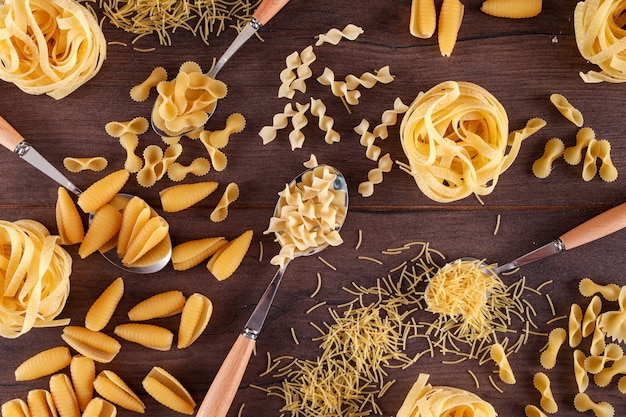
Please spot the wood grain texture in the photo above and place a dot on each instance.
(521, 62)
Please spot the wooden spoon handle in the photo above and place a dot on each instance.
(226, 383)
(267, 9)
(9, 137)
(602, 225)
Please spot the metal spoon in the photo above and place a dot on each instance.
(264, 12)
(13, 141)
(226, 382)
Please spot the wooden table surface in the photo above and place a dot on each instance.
(521, 62)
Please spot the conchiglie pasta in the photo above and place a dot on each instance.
(15, 408)
(63, 396)
(102, 191)
(194, 319)
(96, 345)
(102, 309)
(112, 388)
(83, 373)
(69, 222)
(167, 390)
(183, 196)
(160, 305)
(226, 261)
(148, 335)
(191, 253)
(512, 9)
(44, 363)
(450, 18)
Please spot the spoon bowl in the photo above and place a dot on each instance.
(13, 141)
(222, 391)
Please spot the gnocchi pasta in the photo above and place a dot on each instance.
(44, 363)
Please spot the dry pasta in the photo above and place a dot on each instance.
(367, 139)
(542, 384)
(303, 71)
(63, 396)
(423, 20)
(512, 9)
(556, 339)
(375, 176)
(195, 317)
(505, 372)
(112, 388)
(129, 142)
(228, 258)
(450, 18)
(95, 345)
(141, 91)
(218, 159)
(573, 155)
(69, 223)
(15, 408)
(390, 118)
(102, 191)
(568, 111)
(235, 123)
(298, 121)
(183, 196)
(83, 373)
(325, 123)
(339, 88)
(334, 36)
(102, 309)
(40, 403)
(44, 363)
(104, 226)
(580, 373)
(163, 304)
(532, 411)
(137, 126)
(369, 80)
(575, 319)
(588, 288)
(198, 167)
(156, 163)
(148, 335)
(50, 47)
(598, 342)
(613, 323)
(188, 254)
(220, 212)
(591, 314)
(583, 403)
(596, 363)
(75, 164)
(151, 234)
(553, 150)
(288, 75)
(163, 387)
(99, 407)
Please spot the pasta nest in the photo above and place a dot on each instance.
(455, 137)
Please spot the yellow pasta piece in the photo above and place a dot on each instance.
(375, 176)
(608, 171)
(279, 121)
(102, 309)
(303, 70)
(135, 215)
(596, 363)
(553, 150)
(575, 319)
(218, 159)
(140, 92)
(41, 404)
(533, 411)
(512, 9)
(588, 288)
(573, 155)
(621, 385)
(44, 363)
(583, 403)
(104, 226)
(183, 196)
(102, 191)
(568, 111)
(369, 80)
(83, 374)
(423, 20)
(556, 338)
(450, 18)
(591, 315)
(136, 126)
(235, 123)
(220, 212)
(367, 139)
(69, 222)
(542, 383)
(194, 319)
(606, 375)
(287, 76)
(95, 345)
(112, 388)
(199, 166)
(75, 164)
(580, 373)
(156, 163)
(598, 342)
(63, 396)
(613, 323)
(167, 390)
(390, 118)
(325, 123)
(130, 141)
(228, 258)
(98, 407)
(148, 237)
(339, 88)
(191, 253)
(148, 335)
(298, 121)
(15, 408)
(160, 305)
(334, 36)
(505, 372)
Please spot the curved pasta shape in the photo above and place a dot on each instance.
(15, 408)
(102, 309)
(135, 215)
(141, 91)
(112, 388)
(167, 390)
(505, 372)
(591, 314)
(553, 150)
(95, 345)
(75, 164)
(279, 121)
(542, 384)
(148, 335)
(104, 226)
(288, 75)
(303, 71)
(198, 167)
(608, 171)
(129, 142)
(423, 20)
(369, 80)
(580, 372)
(183, 196)
(194, 319)
(339, 88)
(325, 123)
(228, 258)
(156, 163)
(532, 411)
(512, 9)
(606, 375)
(575, 319)
(148, 237)
(367, 139)
(235, 123)
(164, 304)
(556, 339)
(298, 121)
(613, 323)
(102, 191)
(598, 342)
(450, 18)
(98, 407)
(191, 253)
(568, 111)
(621, 385)
(69, 222)
(583, 403)
(83, 373)
(334, 35)
(589, 288)
(218, 159)
(63, 396)
(40, 403)
(389, 118)
(44, 363)
(375, 176)
(574, 154)
(596, 363)
(220, 212)
(136, 126)
(590, 167)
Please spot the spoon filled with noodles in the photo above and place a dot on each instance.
(123, 228)
(307, 219)
(185, 103)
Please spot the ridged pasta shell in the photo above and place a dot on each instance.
(104, 226)
(15, 408)
(63, 396)
(103, 308)
(40, 403)
(512, 9)
(112, 388)
(95, 345)
(167, 390)
(44, 363)
(194, 319)
(163, 304)
(102, 191)
(135, 215)
(189, 254)
(150, 235)
(83, 373)
(156, 254)
(69, 222)
(226, 261)
(423, 20)
(182, 196)
(98, 407)
(148, 335)
(450, 18)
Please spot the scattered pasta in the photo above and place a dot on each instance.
(553, 150)
(542, 384)
(137, 126)
(575, 325)
(180, 197)
(44, 363)
(450, 18)
(188, 254)
(99, 407)
(227, 259)
(423, 20)
(69, 223)
(112, 388)
(583, 403)
(279, 121)
(75, 164)
(129, 142)
(198, 167)
(163, 304)
(532, 411)
(148, 335)
(141, 91)
(512, 9)
(83, 374)
(568, 111)
(573, 154)
(298, 121)
(556, 339)
(63, 395)
(95, 345)
(375, 176)
(589, 288)
(591, 315)
(367, 139)
(220, 212)
(505, 372)
(580, 373)
(334, 36)
(389, 118)
(102, 309)
(167, 390)
(235, 123)
(102, 191)
(325, 123)
(156, 163)
(613, 323)
(288, 75)
(596, 363)
(194, 319)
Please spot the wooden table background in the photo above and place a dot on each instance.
(520, 61)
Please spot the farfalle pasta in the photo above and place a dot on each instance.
(553, 150)
(220, 212)
(141, 91)
(556, 339)
(334, 35)
(198, 167)
(580, 372)
(606, 375)
(512, 9)
(613, 323)
(505, 372)
(218, 158)
(591, 315)
(194, 319)
(163, 387)
(568, 111)
(44, 363)
(583, 403)
(130, 142)
(101, 310)
(573, 155)
(156, 163)
(180, 197)
(541, 382)
(77, 164)
(235, 123)
(589, 288)
(596, 363)
(137, 126)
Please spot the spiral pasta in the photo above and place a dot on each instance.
(375, 176)
(334, 35)
(325, 123)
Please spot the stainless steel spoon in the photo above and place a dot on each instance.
(220, 396)
(264, 12)
(13, 141)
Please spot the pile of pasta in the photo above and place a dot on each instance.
(35, 272)
(49, 46)
(600, 39)
(308, 214)
(424, 400)
(74, 395)
(456, 137)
